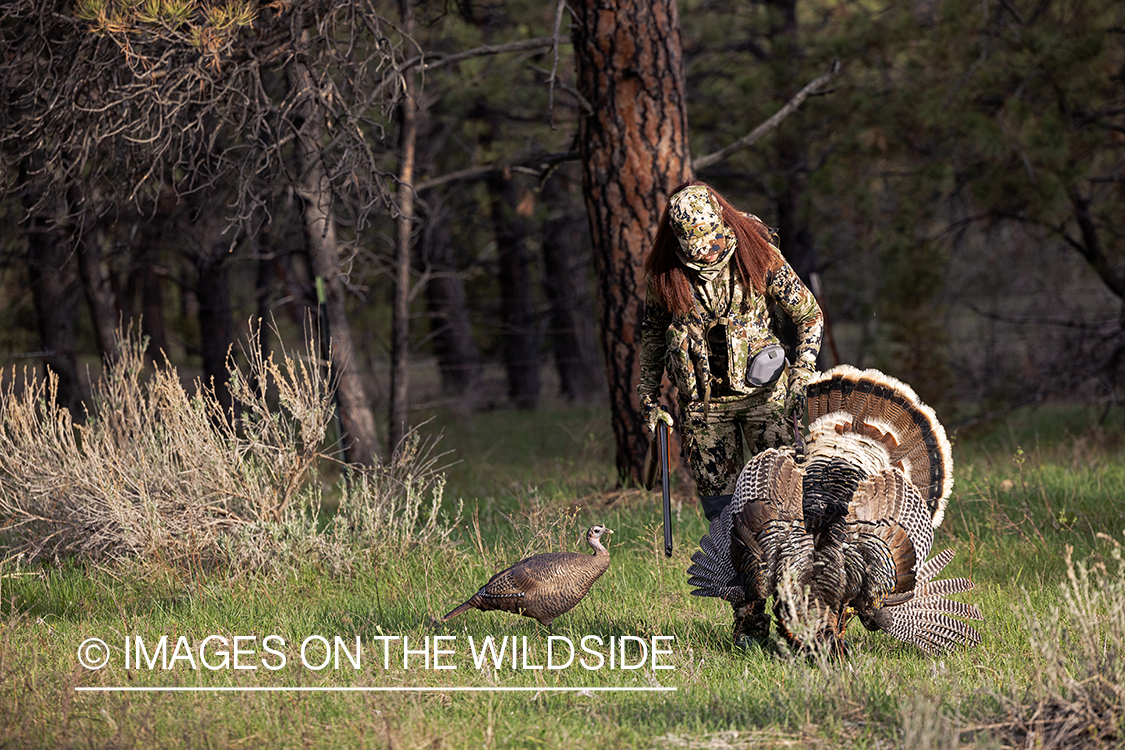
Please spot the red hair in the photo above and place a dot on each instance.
(753, 259)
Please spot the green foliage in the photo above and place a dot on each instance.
(208, 24)
(957, 162)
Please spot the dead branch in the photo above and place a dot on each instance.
(754, 135)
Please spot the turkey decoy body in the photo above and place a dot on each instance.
(543, 586)
(843, 529)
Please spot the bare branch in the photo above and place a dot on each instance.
(537, 167)
(554, 62)
(461, 175)
(754, 135)
(487, 49)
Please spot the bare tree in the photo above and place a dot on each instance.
(144, 100)
(404, 229)
(315, 189)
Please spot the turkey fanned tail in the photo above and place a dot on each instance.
(922, 617)
(843, 529)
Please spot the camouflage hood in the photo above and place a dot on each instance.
(705, 242)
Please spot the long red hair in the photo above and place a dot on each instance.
(752, 257)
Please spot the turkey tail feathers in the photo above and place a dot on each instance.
(767, 489)
(924, 618)
(711, 572)
(712, 576)
(934, 565)
(886, 411)
(929, 628)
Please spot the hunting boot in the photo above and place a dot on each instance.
(751, 626)
(713, 505)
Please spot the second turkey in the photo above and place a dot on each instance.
(543, 586)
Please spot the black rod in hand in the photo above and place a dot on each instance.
(662, 439)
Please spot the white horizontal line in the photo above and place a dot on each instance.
(416, 689)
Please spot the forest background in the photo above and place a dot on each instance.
(471, 186)
(458, 196)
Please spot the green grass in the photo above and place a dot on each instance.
(1025, 490)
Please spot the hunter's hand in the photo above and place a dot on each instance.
(657, 413)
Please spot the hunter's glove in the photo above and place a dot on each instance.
(655, 412)
(799, 378)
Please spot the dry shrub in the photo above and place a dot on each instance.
(397, 506)
(158, 474)
(1078, 656)
(544, 526)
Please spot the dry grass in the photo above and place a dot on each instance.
(1078, 659)
(159, 474)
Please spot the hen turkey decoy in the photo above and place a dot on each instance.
(844, 527)
(543, 586)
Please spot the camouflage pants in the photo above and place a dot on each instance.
(713, 441)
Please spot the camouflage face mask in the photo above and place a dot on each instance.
(698, 225)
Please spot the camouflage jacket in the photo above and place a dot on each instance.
(677, 342)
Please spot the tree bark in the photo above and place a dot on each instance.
(264, 276)
(315, 189)
(216, 325)
(53, 287)
(97, 282)
(152, 307)
(457, 354)
(566, 261)
(202, 241)
(634, 151)
(517, 309)
(404, 227)
(139, 291)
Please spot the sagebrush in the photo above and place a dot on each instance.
(158, 473)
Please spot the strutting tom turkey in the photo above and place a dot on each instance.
(543, 586)
(844, 527)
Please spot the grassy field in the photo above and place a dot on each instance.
(1028, 490)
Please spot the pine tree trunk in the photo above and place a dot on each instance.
(205, 246)
(517, 309)
(457, 354)
(315, 189)
(634, 151)
(53, 287)
(145, 281)
(216, 325)
(566, 261)
(263, 293)
(97, 281)
(152, 308)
